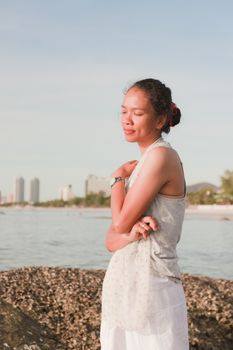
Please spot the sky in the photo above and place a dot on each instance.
(64, 67)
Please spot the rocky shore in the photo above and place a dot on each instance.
(45, 308)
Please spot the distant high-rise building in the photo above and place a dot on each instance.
(3, 200)
(10, 198)
(95, 184)
(66, 193)
(34, 194)
(19, 190)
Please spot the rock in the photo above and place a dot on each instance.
(19, 331)
(66, 303)
(210, 310)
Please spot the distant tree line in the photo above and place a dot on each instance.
(91, 200)
(208, 195)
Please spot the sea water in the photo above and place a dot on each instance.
(71, 237)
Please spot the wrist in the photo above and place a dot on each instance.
(117, 179)
(131, 238)
(128, 237)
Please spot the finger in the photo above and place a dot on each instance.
(144, 226)
(144, 233)
(139, 235)
(141, 232)
(132, 163)
(151, 222)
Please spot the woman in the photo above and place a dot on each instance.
(143, 303)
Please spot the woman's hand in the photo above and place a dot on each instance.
(143, 228)
(126, 169)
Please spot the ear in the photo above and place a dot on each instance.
(161, 121)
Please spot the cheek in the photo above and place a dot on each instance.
(147, 125)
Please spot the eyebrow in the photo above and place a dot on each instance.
(142, 109)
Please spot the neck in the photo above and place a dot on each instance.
(143, 145)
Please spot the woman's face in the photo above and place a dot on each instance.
(138, 120)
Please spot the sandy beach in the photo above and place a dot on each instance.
(214, 211)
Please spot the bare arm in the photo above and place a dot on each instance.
(140, 230)
(128, 208)
(117, 200)
(115, 241)
(118, 190)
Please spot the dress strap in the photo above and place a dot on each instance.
(158, 143)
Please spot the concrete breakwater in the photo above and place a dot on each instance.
(59, 308)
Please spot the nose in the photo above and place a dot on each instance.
(127, 118)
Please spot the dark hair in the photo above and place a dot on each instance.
(160, 98)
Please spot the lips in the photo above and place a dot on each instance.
(129, 131)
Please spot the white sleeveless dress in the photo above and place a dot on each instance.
(143, 302)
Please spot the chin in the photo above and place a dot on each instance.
(130, 139)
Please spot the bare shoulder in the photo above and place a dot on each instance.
(162, 155)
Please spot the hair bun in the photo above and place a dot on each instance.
(175, 115)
